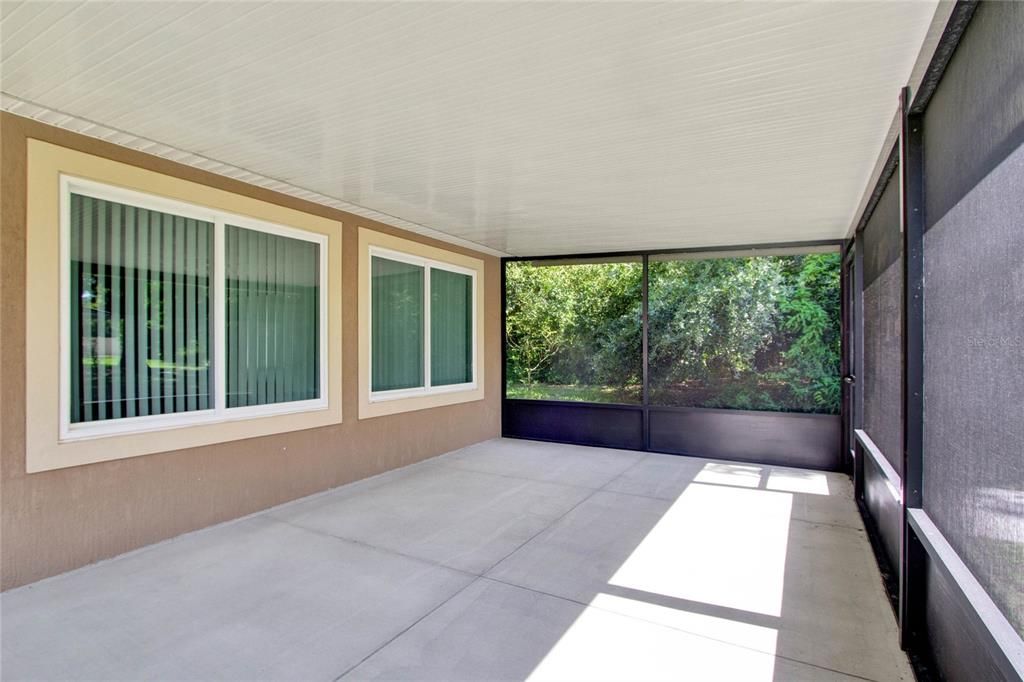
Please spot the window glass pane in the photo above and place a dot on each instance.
(574, 331)
(397, 324)
(272, 318)
(758, 333)
(140, 311)
(451, 328)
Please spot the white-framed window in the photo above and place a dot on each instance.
(422, 326)
(174, 314)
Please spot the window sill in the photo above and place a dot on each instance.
(404, 393)
(382, 406)
(172, 422)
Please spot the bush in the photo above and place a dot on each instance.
(746, 333)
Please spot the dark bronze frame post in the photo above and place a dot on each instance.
(853, 358)
(646, 395)
(912, 553)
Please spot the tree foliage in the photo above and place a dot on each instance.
(747, 333)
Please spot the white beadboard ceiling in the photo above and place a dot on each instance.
(526, 128)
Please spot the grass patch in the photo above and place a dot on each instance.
(580, 393)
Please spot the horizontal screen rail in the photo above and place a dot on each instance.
(893, 478)
(1005, 645)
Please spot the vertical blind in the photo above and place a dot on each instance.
(272, 318)
(397, 319)
(451, 328)
(140, 311)
(141, 314)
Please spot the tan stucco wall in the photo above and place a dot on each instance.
(54, 521)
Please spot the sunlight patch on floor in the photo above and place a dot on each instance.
(607, 646)
(693, 597)
(727, 630)
(719, 473)
(806, 482)
(716, 545)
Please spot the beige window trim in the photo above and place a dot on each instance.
(47, 163)
(369, 240)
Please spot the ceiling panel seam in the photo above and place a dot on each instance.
(19, 107)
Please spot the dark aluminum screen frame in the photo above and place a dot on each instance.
(948, 623)
(785, 438)
(912, 556)
(875, 251)
(852, 359)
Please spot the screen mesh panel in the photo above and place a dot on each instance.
(974, 304)
(750, 333)
(976, 117)
(574, 331)
(883, 356)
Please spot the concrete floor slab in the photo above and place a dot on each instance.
(494, 631)
(819, 496)
(660, 476)
(834, 608)
(577, 465)
(461, 519)
(576, 557)
(255, 599)
(649, 566)
(721, 554)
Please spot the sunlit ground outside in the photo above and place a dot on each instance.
(580, 393)
(739, 396)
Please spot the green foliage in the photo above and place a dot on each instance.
(746, 333)
(711, 318)
(573, 324)
(538, 319)
(811, 325)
